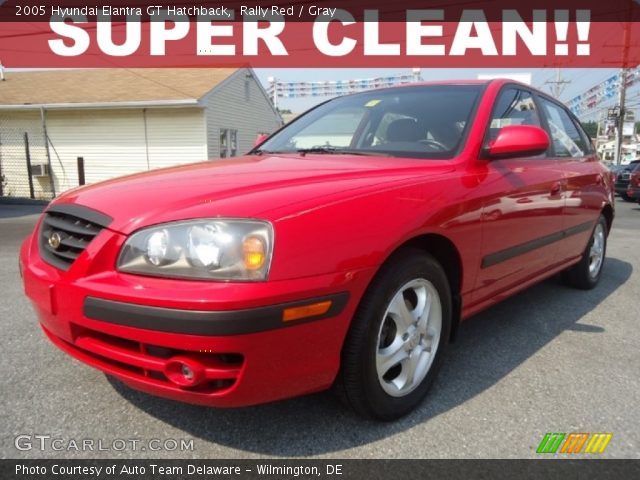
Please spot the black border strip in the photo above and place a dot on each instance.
(561, 467)
(511, 252)
(81, 212)
(198, 322)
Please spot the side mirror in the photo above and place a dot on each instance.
(260, 138)
(519, 141)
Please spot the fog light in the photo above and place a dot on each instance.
(184, 371)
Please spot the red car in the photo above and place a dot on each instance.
(633, 189)
(342, 251)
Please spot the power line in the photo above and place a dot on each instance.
(558, 85)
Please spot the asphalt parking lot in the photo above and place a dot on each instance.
(551, 359)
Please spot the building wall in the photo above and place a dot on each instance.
(176, 136)
(239, 103)
(113, 142)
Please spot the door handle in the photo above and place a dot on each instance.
(556, 188)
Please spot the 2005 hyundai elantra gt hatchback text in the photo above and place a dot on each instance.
(342, 251)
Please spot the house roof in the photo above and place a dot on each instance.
(143, 86)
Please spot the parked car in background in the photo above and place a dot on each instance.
(633, 189)
(308, 264)
(622, 179)
(615, 169)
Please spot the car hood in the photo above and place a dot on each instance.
(256, 186)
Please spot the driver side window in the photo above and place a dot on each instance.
(513, 107)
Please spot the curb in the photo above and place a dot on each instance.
(22, 201)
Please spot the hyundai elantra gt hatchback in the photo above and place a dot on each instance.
(343, 251)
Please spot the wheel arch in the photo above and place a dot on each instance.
(448, 255)
(607, 211)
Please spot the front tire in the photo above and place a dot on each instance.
(586, 274)
(397, 338)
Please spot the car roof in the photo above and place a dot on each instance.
(499, 81)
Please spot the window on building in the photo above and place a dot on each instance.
(224, 145)
(228, 142)
(233, 142)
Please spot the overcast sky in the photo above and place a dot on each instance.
(581, 79)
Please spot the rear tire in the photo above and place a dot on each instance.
(586, 274)
(626, 197)
(397, 338)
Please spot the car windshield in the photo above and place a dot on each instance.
(415, 122)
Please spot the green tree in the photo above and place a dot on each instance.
(591, 128)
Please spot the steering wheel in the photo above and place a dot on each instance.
(434, 143)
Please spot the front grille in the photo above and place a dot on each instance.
(66, 231)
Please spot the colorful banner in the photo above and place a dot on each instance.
(337, 87)
(602, 93)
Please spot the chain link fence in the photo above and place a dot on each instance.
(24, 162)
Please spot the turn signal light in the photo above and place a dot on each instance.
(253, 251)
(298, 313)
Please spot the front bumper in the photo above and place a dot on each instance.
(231, 335)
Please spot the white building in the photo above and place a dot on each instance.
(629, 151)
(123, 121)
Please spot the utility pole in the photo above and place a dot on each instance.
(557, 85)
(622, 87)
(622, 93)
(274, 86)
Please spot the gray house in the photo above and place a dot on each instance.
(124, 121)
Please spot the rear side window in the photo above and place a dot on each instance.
(586, 138)
(567, 140)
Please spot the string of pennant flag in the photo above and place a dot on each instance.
(337, 87)
(600, 94)
(581, 105)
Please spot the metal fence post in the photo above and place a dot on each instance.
(46, 144)
(28, 156)
(80, 170)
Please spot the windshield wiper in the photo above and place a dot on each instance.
(331, 150)
(319, 149)
(324, 149)
(260, 151)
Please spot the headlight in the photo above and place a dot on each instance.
(216, 249)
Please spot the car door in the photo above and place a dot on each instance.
(522, 205)
(583, 184)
